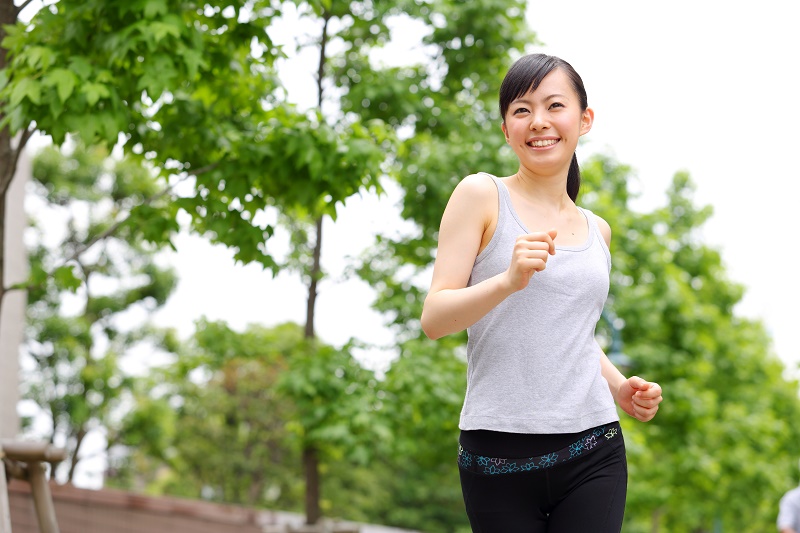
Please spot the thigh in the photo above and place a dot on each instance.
(594, 492)
(504, 503)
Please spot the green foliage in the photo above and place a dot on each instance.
(75, 346)
(261, 396)
(191, 89)
(424, 390)
(212, 424)
(334, 398)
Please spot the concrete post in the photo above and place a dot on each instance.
(13, 311)
(5, 512)
(42, 499)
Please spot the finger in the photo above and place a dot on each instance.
(538, 236)
(544, 237)
(534, 245)
(552, 233)
(649, 391)
(644, 414)
(647, 403)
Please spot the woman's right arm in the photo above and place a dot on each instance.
(451, 306)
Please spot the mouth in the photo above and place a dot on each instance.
(542, 143)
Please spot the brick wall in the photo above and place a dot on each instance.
(113, 511)
(116, 511)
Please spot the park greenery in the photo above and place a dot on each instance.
(168, 116)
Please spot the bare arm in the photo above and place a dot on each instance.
(451, 306)
(637, 397)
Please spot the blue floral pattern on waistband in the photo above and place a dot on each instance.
(498, 465)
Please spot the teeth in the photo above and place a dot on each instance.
(541, 143)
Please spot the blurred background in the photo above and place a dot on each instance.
(225, 216)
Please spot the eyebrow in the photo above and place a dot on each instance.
(527, 101)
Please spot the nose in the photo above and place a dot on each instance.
(538, 122)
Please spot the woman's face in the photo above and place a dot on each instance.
(543, 127)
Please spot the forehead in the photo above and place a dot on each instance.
(556, 82)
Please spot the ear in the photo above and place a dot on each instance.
(505, 130)
(587, 119)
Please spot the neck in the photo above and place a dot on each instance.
(547, 191)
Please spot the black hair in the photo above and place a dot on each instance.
(524, 77)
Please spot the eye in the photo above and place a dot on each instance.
(520, 110)
(556, 104)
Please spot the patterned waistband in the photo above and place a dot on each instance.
(589, 442)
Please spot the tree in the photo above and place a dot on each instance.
(174, 84)
(212, 423)
(77, 344)
(244, 406)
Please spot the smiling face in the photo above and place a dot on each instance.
(543, 126)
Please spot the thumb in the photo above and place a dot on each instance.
(638, 383)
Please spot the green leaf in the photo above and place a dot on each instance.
(155, 7)
(65, 278)
(159, 30)
(81, 67)
(26, 88)
(64, 80)
(94, 91)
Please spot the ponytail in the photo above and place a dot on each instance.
(574, 179)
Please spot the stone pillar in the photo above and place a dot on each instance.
(12, 318)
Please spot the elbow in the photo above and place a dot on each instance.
(432, 334)
(430, 329)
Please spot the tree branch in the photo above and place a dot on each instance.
(23, 141)
(22, 6)
(113, 228)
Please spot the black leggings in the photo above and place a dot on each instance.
(515, 483)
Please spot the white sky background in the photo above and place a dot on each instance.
(704, 86)
(707, 87)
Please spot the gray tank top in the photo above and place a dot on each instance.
(533, 362)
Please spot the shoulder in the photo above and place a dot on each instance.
(478, 185)
(475, 192)
(605, 228)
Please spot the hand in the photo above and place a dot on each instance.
(639, 398)
(530, 256)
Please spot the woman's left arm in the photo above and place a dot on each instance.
(636, 396)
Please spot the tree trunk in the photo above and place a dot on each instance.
(316, 268)
(310, 452)
(311, 468)
(9, 149)
(8, 15)
(655, 520)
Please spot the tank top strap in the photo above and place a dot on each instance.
(504, 207)
(594, 230)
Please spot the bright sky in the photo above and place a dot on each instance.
(707, 87)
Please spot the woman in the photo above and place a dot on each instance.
(526, 272)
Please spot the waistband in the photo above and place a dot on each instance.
(588, 442)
